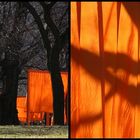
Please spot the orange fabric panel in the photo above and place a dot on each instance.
(89, 112)
(105, 94)
(21, 107)
(40, 97)
(36, 116)
(75, 78)
(22, 111)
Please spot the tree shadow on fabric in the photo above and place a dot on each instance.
(116, 62)
(133, 9)
(92, 63)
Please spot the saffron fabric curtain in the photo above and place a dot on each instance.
(40, 97)
(105, 90)
(22, 111)
(22, 108)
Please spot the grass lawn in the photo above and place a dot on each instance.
(33, 131)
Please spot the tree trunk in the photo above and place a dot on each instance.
(57, 86)
(58, 98)
(8, 111)
(67, 106)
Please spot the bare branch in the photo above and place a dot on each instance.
(30, 56)
(35, 67)
(40, 25)
(49, 6)
(31, 47)
(49, 20)
(63, 16)
(22, 78)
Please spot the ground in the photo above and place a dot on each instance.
(24, 131)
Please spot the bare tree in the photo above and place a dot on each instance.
(10, 37)
(26, 28)
(52, 52)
